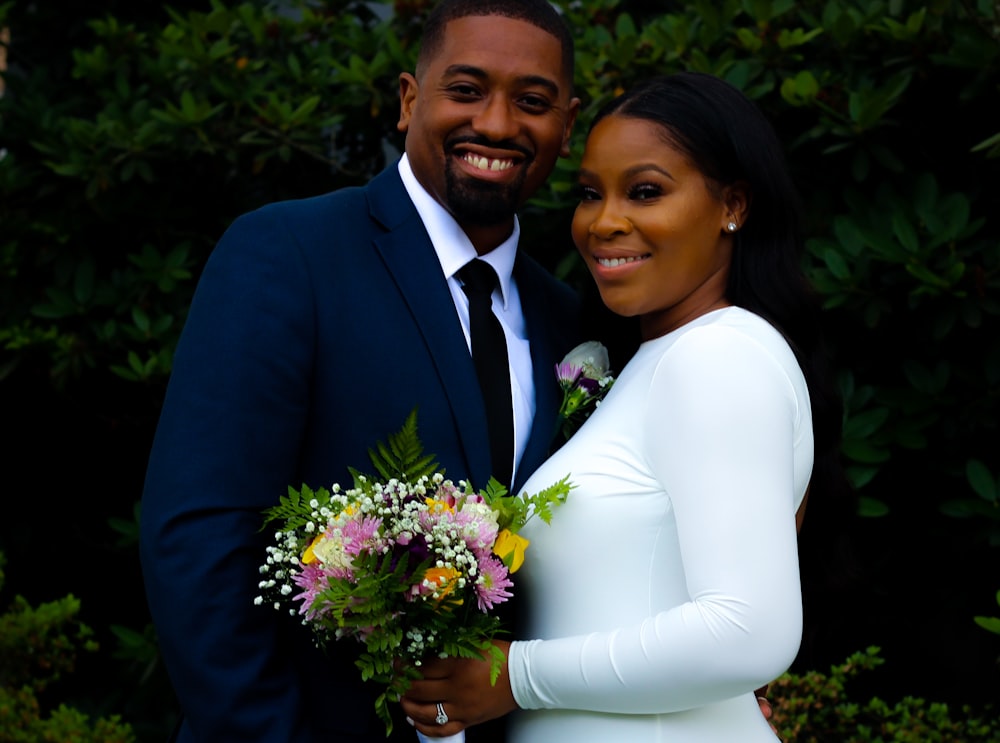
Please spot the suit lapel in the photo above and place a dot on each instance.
(545, 353)
(410, 259)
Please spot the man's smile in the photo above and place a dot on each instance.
(485, 163)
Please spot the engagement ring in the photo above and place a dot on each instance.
(442, 718)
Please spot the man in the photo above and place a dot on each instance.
(317, 326)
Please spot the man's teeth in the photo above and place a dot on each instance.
(612, 262)
(484, 163)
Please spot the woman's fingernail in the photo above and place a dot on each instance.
(410, 720)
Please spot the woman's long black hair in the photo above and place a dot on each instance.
(728, 139)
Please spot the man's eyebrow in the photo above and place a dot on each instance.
(481, 74)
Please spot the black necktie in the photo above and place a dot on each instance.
(489, 354)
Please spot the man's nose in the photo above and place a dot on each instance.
(496, 121)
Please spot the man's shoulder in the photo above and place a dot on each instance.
(346, 203)
(348, 198)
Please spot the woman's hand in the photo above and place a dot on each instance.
(461, 686)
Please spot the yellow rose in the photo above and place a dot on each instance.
(310, 554)
(510, 548)
(327, 551)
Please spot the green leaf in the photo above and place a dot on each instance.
(403, 457)
(83, 281)
(871, 507)
(981, 480)
(864, 452)
(924, 380)
(836, 264)
(788, 39)
(987, 143)
(862, 425)
(859, 476)
(141, 319)
(625, 26)
(903, 229)
(991, 624)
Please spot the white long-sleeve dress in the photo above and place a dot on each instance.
(666, 589)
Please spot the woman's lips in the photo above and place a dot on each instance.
(622, 260)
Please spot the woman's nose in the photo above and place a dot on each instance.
(609, 223)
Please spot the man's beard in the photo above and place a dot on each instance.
(481, 202)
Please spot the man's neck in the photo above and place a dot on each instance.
(485, 239)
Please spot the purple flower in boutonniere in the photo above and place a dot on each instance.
(585, 378)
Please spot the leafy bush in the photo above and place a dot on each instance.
(37, 646)
(128, 143)
(117, 183)
(815, 708)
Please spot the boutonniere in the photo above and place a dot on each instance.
(584, 376)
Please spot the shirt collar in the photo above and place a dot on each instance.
(452, 245)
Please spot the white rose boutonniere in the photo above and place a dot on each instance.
(585, 377)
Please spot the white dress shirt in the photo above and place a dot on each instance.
(454, 250)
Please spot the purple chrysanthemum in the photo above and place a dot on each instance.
(357, 535)
(491, 588)
(313, 580)
(568, 373)
(478, 531)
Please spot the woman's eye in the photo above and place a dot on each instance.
(644, 191)
(586, 193)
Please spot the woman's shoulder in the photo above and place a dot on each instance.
(732, 330)
(730, 343)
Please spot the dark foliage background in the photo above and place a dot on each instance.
(131, 134)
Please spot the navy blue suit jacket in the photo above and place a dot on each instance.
(316, 327)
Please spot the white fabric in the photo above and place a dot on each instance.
(666, 589)
(454, 250)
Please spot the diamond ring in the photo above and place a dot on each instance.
(442, 717)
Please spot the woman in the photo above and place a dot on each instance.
(667, 588)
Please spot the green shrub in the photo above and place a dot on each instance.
(815, 708)
(119, 178)
(37, 647)
(127, 145)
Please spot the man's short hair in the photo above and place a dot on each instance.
(539, 13)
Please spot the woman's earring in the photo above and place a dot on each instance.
(731, 226)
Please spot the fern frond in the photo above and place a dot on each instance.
(289, 508)
(402, 456)
(545, 500)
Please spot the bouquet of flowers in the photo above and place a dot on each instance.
(585, 378)
(409, 564)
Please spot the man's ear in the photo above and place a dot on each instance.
(574, 109)
(408, 89)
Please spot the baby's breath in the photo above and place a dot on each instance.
(403, 564)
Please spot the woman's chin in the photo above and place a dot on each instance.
(619, 305)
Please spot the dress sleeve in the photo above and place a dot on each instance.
(719, 432)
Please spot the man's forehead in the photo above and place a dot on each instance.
(489, 42)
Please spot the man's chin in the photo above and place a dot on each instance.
(484, 204)
(476, 201)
